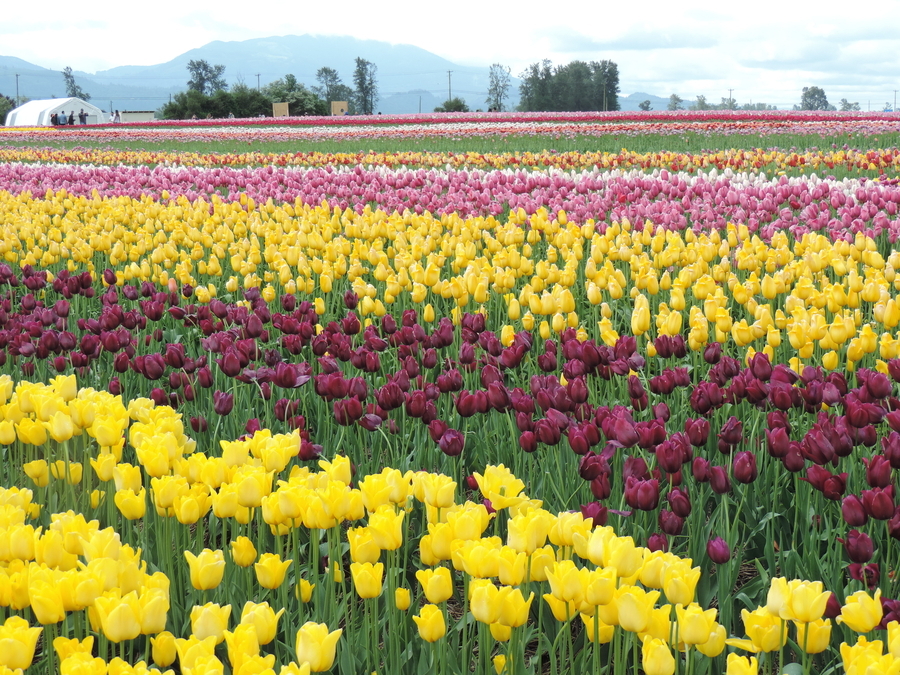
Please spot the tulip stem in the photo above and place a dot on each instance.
(806, 655)
(49, 635)
(781, 641)
(435, 661)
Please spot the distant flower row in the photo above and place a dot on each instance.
(464, 125)
(706, 201)
(757, 159)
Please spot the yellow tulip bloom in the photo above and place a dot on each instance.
(316, 646)
(430, 621)
(207, 569)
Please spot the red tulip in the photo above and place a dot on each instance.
(718, 550)
(858, 546)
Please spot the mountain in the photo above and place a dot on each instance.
(407, 76)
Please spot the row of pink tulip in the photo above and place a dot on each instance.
(706, 201)
(366, 128)
(574, 116)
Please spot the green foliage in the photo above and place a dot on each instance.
(700, 104)
(242, 101)
(366, 93)
(6, 104)
(454, 104)
(245, 101)
(73, 89)
(675, 102)
(498, 86)
(575, 86)
(300, 100)
(185, 105)
(645, 105)
(846, 106)
(814, 98)
(205, 78)
(332, 88)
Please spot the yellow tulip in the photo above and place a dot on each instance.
(154, 608)
(362, 545)
(210, 620)
(316, 646)
(596, 630)
(484, 601)
(513, 607)
(271, 570)
(438, 490)
(132, 506)
(207, 569)
(680, 582)
(69, 471)
(764, 629)
(634, 606)
(430, 621)
(500, 632)
(741, 665)
(38, 471)
(120, 616)
(17, 643)
(163, 649)
(243, 552)
(657, 658)
(815, 636)
(861, 612)
(367, 579)
(303, 590)
(61, 428)
(437, 584)
(263, 618)
(716, 643)
(46, 601)
(695, 626)
(386, 526)
(402, 598)
(65, 647)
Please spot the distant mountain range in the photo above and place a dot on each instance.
(410, 79)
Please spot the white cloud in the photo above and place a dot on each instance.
(766, 50)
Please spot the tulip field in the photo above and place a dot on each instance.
(519, 394)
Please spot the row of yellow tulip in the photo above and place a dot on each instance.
(835, 296)
(736, 159)
(75, 565)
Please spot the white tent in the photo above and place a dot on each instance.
(37, 113)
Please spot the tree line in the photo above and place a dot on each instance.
(209, 95)
(578, 85)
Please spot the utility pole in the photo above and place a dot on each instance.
(257, 81)
(17, 89)
(449, 89)
(730, 100)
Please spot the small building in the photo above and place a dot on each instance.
(37, 113)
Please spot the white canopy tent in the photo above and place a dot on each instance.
(37, 113)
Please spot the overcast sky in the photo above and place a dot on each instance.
(765, 50)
